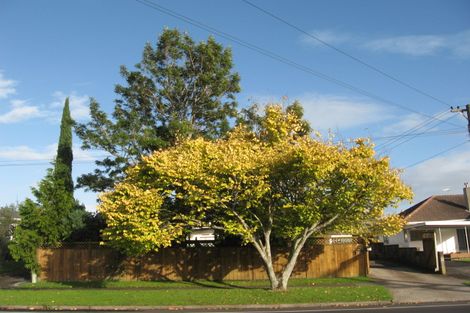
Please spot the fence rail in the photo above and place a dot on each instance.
(90, 262)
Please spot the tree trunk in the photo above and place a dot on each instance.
(289, 268)
(271, 274)
(264, 250)
(34, 277)
(279, 282)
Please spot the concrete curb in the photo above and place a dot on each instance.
(192, 307)
(202, 308)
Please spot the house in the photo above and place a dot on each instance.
(201, 234)
(444, 218)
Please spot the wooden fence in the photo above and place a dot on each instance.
(88, 262)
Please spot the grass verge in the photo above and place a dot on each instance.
(188, 296)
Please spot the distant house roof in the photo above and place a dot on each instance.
(438, 208)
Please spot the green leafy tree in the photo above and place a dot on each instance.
(8, 218)
(28, 235)
(180, 89)
(8, 215)
(274, 183)
(55, 213)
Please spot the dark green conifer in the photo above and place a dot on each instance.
(63, 163)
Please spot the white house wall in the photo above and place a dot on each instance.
(399, 239)
(203, 234)
(449, 240)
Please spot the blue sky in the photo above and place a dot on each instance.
(53, 49)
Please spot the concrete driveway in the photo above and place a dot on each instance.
(408, 285)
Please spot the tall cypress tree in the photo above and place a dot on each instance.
(63, 163)
(55, 214)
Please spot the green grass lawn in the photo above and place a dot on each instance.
(463, 260)
(201, 292)
(199, 296)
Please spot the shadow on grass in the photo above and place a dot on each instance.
(136, 285)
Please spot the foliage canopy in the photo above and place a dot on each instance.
(272, 182)
(180, 89)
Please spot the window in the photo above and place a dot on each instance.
(462, 240)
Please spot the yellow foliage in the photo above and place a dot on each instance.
(251, 182)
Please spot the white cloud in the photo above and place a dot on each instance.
(87, 155)
(47, 153)
(404, 124)
(411, 45)
(461, 44)
(329, 36)
(336, 112)
(19, 111)
(440, 175)
(331, 112)
(456, 44)
(423, 45)
(16, 103)
(7, 87)
(25, 153)
(78, 104)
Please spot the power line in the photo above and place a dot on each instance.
(437, 154)
(275, 56)
(414, 136)
(372, 67)
(410, 135)
(413, 129)
(453, 131)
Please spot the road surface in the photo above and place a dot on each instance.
(432, 308)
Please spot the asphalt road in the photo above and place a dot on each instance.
(430, 308)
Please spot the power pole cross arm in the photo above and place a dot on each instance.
(465, 112)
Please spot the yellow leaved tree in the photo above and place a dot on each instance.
(274, 182)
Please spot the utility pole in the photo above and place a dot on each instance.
(465, 112)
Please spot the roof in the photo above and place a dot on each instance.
(438, 208)
(434, 224)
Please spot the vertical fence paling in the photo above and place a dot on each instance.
(88, 262)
